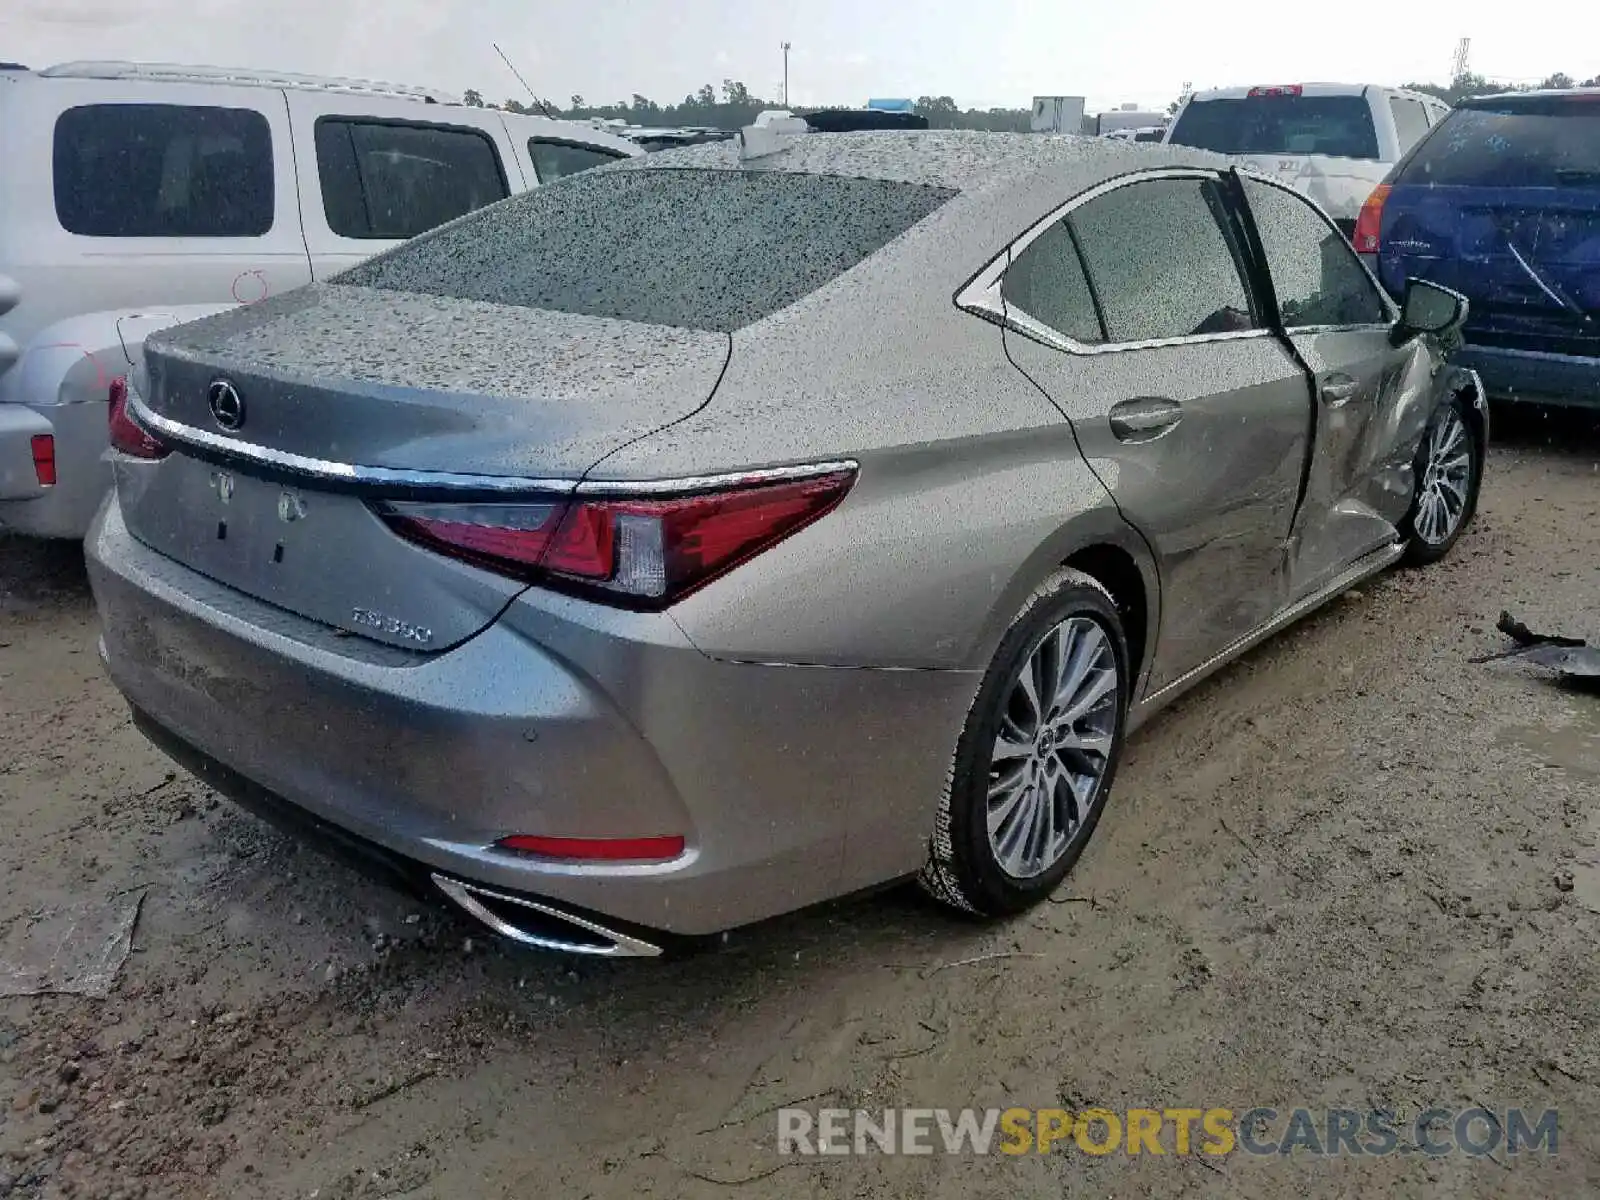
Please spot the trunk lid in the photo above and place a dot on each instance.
(408, 387)
(1502, 203)
(410, 382)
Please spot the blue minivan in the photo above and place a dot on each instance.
(1501, 201)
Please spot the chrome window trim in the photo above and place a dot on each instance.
(1361, 327)
(1389, 305)
(981, 296)
(347, 473)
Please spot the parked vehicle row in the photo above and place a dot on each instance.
(707, 535)
(134, 197)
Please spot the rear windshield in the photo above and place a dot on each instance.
(1550, 142)
(698, 249)
(1340, 126)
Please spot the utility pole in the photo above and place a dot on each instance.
(1458, 65)
(786, 74)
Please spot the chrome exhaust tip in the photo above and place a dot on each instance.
(539, 925)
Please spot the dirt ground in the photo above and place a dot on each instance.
(1355, 870)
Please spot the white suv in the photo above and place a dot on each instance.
(134, 197)
(1333, 141)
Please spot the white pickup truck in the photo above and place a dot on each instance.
(138, 196)
(1333, 141)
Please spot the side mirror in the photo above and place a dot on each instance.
(1429, 308)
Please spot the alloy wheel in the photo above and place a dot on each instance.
(1053, 747)
(1446, 479)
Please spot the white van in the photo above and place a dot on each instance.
(1333, 141)
(137, 196)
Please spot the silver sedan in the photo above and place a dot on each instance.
(709, 535)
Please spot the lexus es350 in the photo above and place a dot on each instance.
(705, 536)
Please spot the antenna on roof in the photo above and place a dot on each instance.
(543, 107)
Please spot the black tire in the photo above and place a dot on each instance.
(1424, 545)
(964, 870)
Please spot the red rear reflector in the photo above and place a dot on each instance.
(1287, 89)
(1369, 223)
(43, 446)
(654, 849)
(650, 552)
(126, 436)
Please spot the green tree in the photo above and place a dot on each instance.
(473, 97)
(941, 111)
(1559, 80)
(1472, 84)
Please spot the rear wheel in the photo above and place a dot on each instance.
(1448, 467)
(1036, 758)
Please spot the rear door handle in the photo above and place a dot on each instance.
(1338, 389)
(1145, 419)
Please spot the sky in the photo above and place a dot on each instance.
(983, 53)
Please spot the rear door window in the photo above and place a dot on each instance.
(1047, 283)
(1314, 270)
(387, 180)
(1160, 263)
(697, 249)
(1410, 121)
(1533, 142)
(163, 170)
(1340, 126)
(556, 160)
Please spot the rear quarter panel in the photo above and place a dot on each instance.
(971, 488)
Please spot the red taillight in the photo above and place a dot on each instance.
(1286, 89)
(1369, 223)
(638, 849)
(127, 437)
(645, 551)
(517, 539)
(43, 446)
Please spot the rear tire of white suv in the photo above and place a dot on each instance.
(1035, 761)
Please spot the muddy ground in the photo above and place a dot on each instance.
(1354, 871)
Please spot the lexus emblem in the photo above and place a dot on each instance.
(226, 406)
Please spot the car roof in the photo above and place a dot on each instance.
(1308, 89)
(1535, 94)
(963, 161)
(186, 73)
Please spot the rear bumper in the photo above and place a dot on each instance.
(790, 784)
(66, 509)
(574, 932)
(1534, 377)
